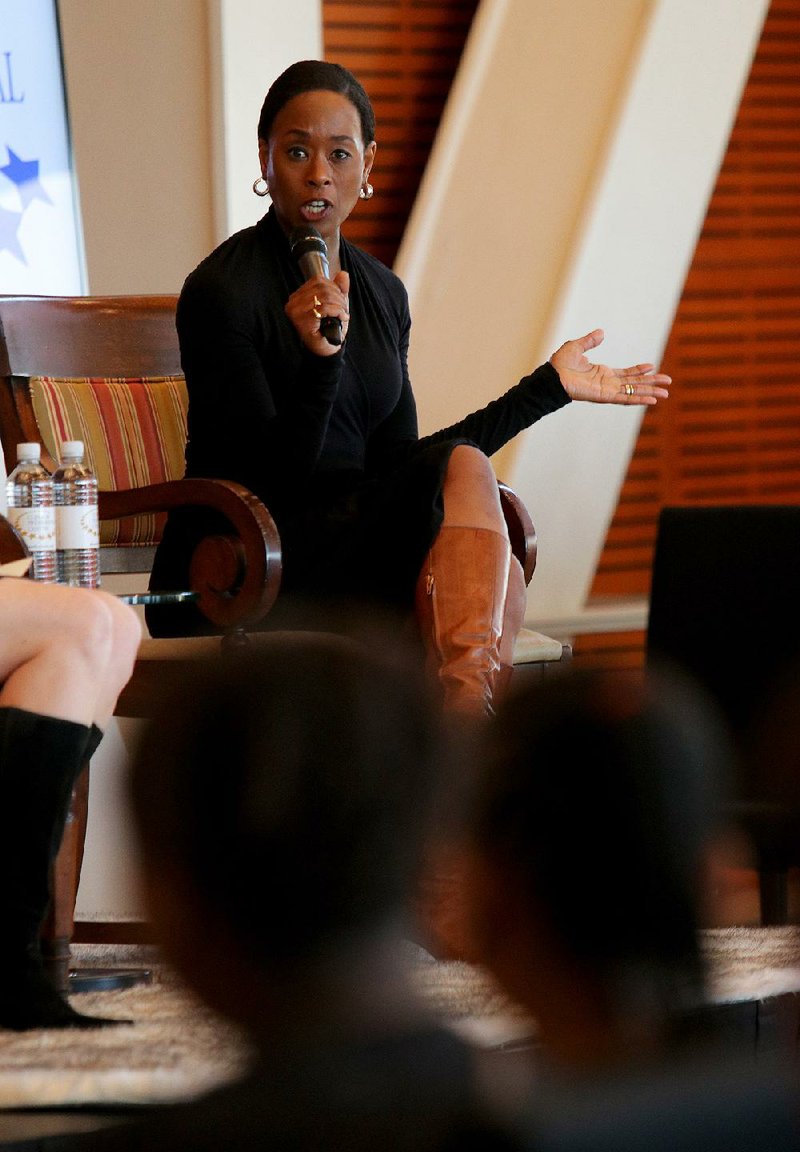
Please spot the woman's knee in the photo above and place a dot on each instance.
(126, 636)
(470, 492)
(105, 633)
(468, 464)
(48, 621)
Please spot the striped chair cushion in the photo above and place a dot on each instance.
(133, 430)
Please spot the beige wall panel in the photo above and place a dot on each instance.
(138, 89)
(565, 192)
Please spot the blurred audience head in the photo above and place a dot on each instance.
(769, 798)
(281, 800)
(598, 804)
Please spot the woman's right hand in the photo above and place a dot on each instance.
(314, 300)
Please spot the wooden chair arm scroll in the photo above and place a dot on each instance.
(521, 531)
(237, 574)
(12, 546)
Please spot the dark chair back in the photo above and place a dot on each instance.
(725, 608)
(725, 600)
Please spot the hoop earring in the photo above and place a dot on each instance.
(261, 191)
(367, 191)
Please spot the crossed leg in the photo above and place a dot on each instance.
(471, 592)
(65, 654)
(470, 603)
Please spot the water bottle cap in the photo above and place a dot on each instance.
(29, 451)
(72, 448)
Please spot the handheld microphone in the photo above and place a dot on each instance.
(311, 253)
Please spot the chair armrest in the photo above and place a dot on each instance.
(12, 546)
(521, 531)
(237, 575)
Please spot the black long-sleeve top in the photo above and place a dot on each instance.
(329, 444)
(268, 413)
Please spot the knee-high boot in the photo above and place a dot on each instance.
(460, 601)
(40, 758)
(461, 609)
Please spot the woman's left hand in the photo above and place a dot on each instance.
(582, 380)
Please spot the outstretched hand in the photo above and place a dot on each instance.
(583, 380)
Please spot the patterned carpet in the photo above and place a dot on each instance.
(176, 1047)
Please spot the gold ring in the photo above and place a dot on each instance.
(317, 304)
(630, 389)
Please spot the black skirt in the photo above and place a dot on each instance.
(356, 539)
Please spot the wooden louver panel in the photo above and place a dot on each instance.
(405, 53)
(730, 432)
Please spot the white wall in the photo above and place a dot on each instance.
(566, 190)
(246, 56)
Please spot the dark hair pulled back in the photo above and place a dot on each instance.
(315, 76)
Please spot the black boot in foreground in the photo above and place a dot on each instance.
(40, 758)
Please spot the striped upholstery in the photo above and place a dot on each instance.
(134, 433)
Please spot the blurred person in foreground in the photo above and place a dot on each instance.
(600, 808)
(282, 804)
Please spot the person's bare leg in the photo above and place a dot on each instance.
(65, 655)
(64, 652)
(470, 492)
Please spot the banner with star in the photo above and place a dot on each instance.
(41, 243)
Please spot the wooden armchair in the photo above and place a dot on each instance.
(107, 371)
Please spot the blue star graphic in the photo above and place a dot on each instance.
(9, 225)
(25, 174)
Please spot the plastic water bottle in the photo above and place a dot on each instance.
(30, 508)
(77, 526)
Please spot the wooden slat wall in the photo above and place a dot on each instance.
(604, 650)
(405, 53)
(730, 432)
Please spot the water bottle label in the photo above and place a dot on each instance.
(36, 526)
(78, 526)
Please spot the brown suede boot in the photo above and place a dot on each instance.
(442, 906)
(461, 611)
(460, 603)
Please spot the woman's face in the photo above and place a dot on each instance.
(315, 161)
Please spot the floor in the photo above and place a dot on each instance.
(56, 1131)
(758, 1027)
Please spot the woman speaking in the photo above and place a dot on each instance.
(325, 433)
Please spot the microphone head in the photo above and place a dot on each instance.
(305, 239)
